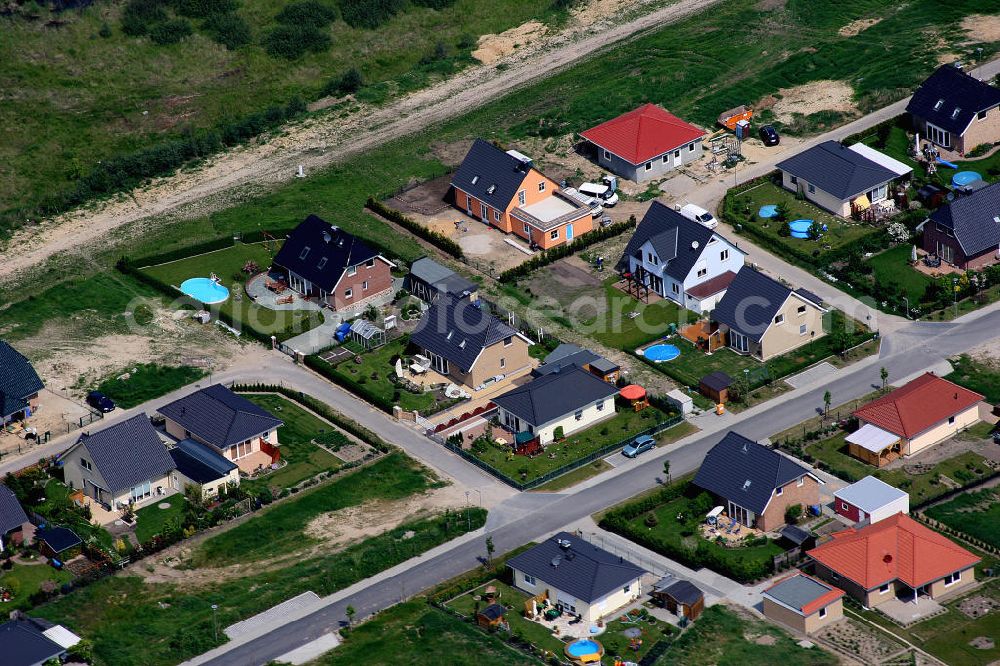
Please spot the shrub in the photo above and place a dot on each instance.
(348, 82)
(558, 433)
(651, 520)
(307, 12)
(139, 16)
(105, 31)
(230, 30)
(170, 32)
(203, 8)
(369, 13)
(793, 513)
(433, 4)
(294, 41)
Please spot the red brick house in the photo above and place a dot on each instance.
(966, 232)
(325, 262)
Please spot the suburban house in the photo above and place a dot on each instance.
(468, 345)
(803, 603)
(869, 501)
(202, 466)
(236, 428)
(30, 641)
(505, 190)
(956, 111)
(965, 232)
(570, 400)
(645, 143)
(12, 519)
(761, 317)
(841, 180)
(319, 260)
(894, 557)
(19, 385)
(680, 259)
(568, 355)
(680, 597)
(905, 421)
(755, 484)
(428, 280)
(577, 577)
(121, 465)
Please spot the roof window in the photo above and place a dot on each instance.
(450, 333)
(322, 263)
(461, 345)
(475, 179)
(491, 189)
(954, 114)
(746, 485)
(938, 105)
(304, 253)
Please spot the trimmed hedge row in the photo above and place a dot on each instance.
(437, 239)
(329, 372)
(546, 257)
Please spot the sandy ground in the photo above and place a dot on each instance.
(982, 27)
(494, 48)
(812, 97)
(857, 27)
(987, 352)
(322, 140)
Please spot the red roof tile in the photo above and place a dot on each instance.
(920, 404)
(642, 134)
(897, 548)
(713, 286)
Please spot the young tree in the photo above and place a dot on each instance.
(826, 403)
(884, 374)
(490, 548)
(350, 612)
(666, 470)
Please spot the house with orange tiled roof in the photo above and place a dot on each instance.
(803, 603)
(895, 557)
(913, 417)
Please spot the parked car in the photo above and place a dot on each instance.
(596, 209)
(769, 135)
(699, 215)
(605, 191)
(100, 402)
(640, 444)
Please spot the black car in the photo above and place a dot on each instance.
(100, 402)
(769, 135)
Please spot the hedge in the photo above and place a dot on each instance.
(330, 372)
(437, 239)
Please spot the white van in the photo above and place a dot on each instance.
(603, 191)
(699, 215)
(595, 204)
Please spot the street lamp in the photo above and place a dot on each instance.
(954, 293)
(907, 301)
(215, 621)
(478, 492)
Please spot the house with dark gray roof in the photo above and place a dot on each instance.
(428, 280)
(679, 596)
(238, 429)
(29, 641)
(763, 318)
(126, 463)
(19, 385)
(12, 518)
(569, 400)
(838, 179)
(955, 110)
(965, 232)
(320, 260)
(567, 355)
(680, 259)
(577, 577)
(468, 345)
(202, 466)
(754, 484)
(505, 190)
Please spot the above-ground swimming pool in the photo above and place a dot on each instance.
(964, 178)
(205, 290)
(768, 211)
(661, 352)
(800, 228)
(584, 650)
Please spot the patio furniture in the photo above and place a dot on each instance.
(932, 261)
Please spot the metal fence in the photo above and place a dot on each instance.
(569, 467)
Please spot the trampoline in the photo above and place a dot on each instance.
(662, 352)
(768, 211)
(800, 228)
(964, 178)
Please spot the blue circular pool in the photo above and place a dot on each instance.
(661, 352)
(964, 178)
(205, 290)
(800, 228)
(768, 211)
(583, 647)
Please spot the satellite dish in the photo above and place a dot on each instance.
(951, 196)
(694, 245)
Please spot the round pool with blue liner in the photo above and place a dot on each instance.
(662, 352)
(768, 211)
(964, 178)
(205, 290)
(582, 648)
(800, 228)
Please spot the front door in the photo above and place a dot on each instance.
(569, 232)
(484, 211)
(946, 252)
(938, 136)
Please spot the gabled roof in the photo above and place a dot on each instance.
(717, 381)
(870, 494)
(18, 380)
(837, 170)
(127, 453)
(580, 569)
(220, 417)
(200, 462)
(712, 287)
(642, 134)
(950, 99)
(974, 219)
(12, 515)
(803, 594)
(568, 355)
(555, 395)
(490, 175)
(751, 302)
(897, 548)
(441, 278)
(459, 330)
(493, 612)
(320, 252)
(24, 643)
(917, 406)
(59, 539)
(682, 591)
(741, 470)
(677, 241)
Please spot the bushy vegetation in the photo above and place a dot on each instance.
(145, 381)
(369, 13)
(170, 31)
(292, 41)
(307, 12)
(230, 29)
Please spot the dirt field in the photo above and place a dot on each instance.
(869, 645)
(855, 28)
(813, 97)
(429, 198)
(982, 27)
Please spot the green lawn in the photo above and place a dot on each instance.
(892, 267)
(151, 519)
(280, 529)
(23, 580)
(59, 510)
(976, 375)
(147, 381)
(976, 513)
(228, 265)
(305, 459)
(724, 637)
(613, 326)
(533, 632)
(376, 371)
(425, 635)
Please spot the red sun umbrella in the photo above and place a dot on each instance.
(633, 392)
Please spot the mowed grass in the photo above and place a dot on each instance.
(23, 580)
(977, 514)
(280, 529)
(892, 267)
(305, 459)
(977, 376)
(152, 519)
(622, 322)
(147, 381)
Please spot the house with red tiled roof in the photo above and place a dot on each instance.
(894, 557)
(905, 421)
(645, 143)
(803, 603)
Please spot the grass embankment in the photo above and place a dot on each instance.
(977, 514)
(147, 381)
(977, 376)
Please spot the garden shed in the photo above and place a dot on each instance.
(679, 596)
(715, 387)
(367, 334)
(58, 542)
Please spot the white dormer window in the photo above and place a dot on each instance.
(779, 491)
(352, 270)
(475, 179)
(779, 319)
(304, 253)
(938, 105)
(370, 263)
